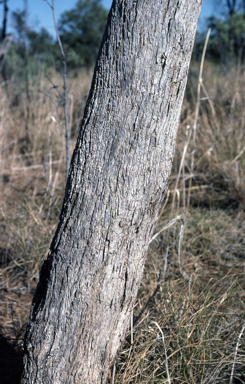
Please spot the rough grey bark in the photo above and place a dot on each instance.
(119, 171)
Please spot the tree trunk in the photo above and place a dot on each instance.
(118, 175)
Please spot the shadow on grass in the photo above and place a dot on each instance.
(10, 362)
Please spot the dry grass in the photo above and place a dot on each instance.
(192, 299)
(200, 312)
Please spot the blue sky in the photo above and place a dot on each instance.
(40, 14)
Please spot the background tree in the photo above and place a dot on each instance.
(41, 45)
(119, 173)
(5, 18)
(35, 51)
(6, 39)
(227, 40)
(30, 49)
(19, 20)
(229, 7)
(81, 30)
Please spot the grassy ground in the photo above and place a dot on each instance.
(189, 320)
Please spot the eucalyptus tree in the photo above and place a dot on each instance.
(118, 176)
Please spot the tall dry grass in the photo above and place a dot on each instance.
(188, 322)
